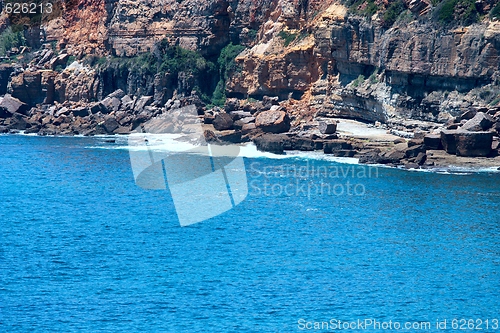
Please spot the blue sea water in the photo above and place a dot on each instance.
(83, 249)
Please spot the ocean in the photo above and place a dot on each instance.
(318, 243)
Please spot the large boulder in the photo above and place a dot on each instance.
(448, 141)
(223, 121)
(111, 104)
(433, 142)
(232, 104)
(10, 105)
(110, 124)
(270, 143)
(142, 103)
(327, 127)
(481, 122)
(273, 122)
(414, 151)
(473, 144)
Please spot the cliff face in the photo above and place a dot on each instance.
(405, 64)
(337, 64)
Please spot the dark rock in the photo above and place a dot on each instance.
(452, 127)
(210, 136)
(138, 120)
(223, 121)
(412, 165)
(232, 104)
(414, 151)
(33, 129)
(394, 156)
(399, 140)
(18, 122)
(468, 115)
(473, 144)
(117, 94)
(415, 142)
(421, 158)
(230, 136)
(10, 105)
(303, 144)
(4, 129)
(110, 124)
(208, 118)
(449, 142)
(270, 143)
(330, 147)
(58, 121)
(268, 102)
(327, 127)
(481, 122)
(433, 142)
(80, 112)
(273, 121)
(372, 157)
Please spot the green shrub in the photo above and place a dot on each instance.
(9, 40)
(287, 36)
(252, 34)
(392, 13)
(460, 11)
(227, 66)
(358, 81)
(495, 12)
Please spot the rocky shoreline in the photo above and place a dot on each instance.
(471, 139)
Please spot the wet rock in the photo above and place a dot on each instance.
(327, 127)
(481, 122)
(330, 147)
(230, 136)
(270, 143)
(433, 142)
(223, 121)
(372, 157)
(273, 121)
(472, 144)
(122, 130)
(18, 122)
